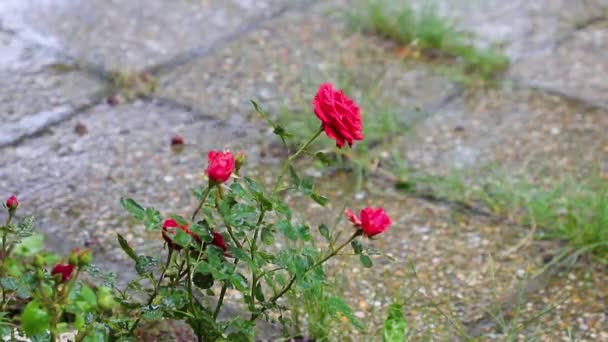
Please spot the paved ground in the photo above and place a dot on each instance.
(547, 118)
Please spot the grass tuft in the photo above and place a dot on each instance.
(434, 35)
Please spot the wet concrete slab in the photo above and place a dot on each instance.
(519, 131)
(72, 181)
(282, 64)
(38, 87)
(132, 35)
(523, 27)
(576, 68)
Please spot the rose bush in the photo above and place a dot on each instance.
(229, 242)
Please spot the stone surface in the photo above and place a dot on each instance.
(524, 27)
(576, 68)
(520, 132)
(38, 88)
(282, 64)
(131, 35)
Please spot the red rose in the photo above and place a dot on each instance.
(352, 217)
(339, 114)
(65, 270)
(12, 203)
(170, 227)
(221, 165)
(218, 241)
(371, 221)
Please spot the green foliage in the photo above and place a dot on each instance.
(395, 325)
(426, 30)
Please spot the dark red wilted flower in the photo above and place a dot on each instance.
(177, 141)
(371, 221)
(339, 115)
(221, 165)
(65, 270)
(12, 203)
(170, 227)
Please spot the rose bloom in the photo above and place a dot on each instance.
(12, 202)
(371, 221)
(219, 242)
(221, 166)
(65, 270)
(339, 115)
(170, 227)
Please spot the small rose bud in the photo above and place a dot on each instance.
(85, 258)
(239, 161)
(73, 258)
(12, 203)
(63, 272)
(105, 299)
(39, 260)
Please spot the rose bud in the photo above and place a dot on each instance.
(12, 203)
(170, 227)
(371, 221)
(239, 161)
(219, 242)
(63, 272)
(221, 166)
(85, 257)
(339, 115)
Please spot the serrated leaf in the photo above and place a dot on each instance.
(324, 231)
(126, 248)
(203, 280)
(259, 294)
(324, 158)
(395, 325)
(258, 194)
(181, 238)
(25, 227)
(287, 229)
(282, 208)
(145, 264)
(304, 232)
(133, 207)
(320, 199)
(153, 219)
(357, 247)
(365, 261)
(267, 235)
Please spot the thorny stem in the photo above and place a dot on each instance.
(5, 232)
(293, 157)
(254, 278)
(156, 288)
(333, 253)
(220, 301)
(202, 202)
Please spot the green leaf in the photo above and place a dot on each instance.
(395, 325)
(181, 238)
(324, 158)
(268, 234)
(145, 264)
(357, 247)
(153, 219)
(259, 294)
(133, 207)
(282, 208)
(25, 227)
(287, 229)
(325, 232)
(126, 248)
(304, 232)
(320, 199)
(203, 280)
(30, 245)
(258, 194)
(365, 261)
(35, 319)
